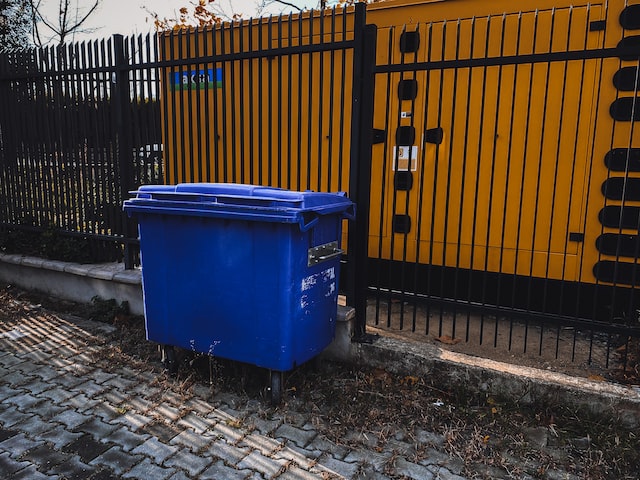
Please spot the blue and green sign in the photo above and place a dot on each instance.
(197, 79)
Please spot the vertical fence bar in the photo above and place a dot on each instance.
(360, 167)
(122, 102)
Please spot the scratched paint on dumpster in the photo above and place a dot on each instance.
(325, 279)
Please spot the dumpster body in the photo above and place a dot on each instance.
(240, 272)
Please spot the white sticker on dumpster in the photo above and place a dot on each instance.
(325, 279)
(326, 275)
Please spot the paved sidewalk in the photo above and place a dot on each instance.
(70, 410)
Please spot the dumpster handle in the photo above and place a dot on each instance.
(350, 213)
(323, 253)
(336, 253)
(308, 220)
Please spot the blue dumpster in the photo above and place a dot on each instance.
(241, 272)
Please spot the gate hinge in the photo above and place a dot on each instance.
(379, 135)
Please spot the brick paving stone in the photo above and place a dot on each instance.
(133, 421)
(56, 395)
(155, 449)
(100, 376)
(7, 433)
(172, 398)
(444, 474)
(9, 466)
(105, 474)
(256, 461)
(26, 368)
(16, 379)
(334, 465)
(123, 381)
(321, 444)
(45, 457)
(58, 363)
(69, 381)
(91, 388)
(115, 396)
(226, 431)
(106, 411)
(367, 457)
(219, 470)
(36, 386)
(48, 410)
(7, 392)
(164, 432)
(30, 473)
(70, 418)
(191, 440)
(58, 436)
(198, 406)
(147, 470)
(86, 447)
(192, 464)
(403, 448)
(311, 453)
(228, 453)
(195, 422)
(141, 405)
(97, 428)
(126, 439)
(179, 475)
(19, 444)
(264, 426)
(117, 460)
(300, 457)
(412, 470)
(297, 435)
(167, 412)
(81, 402)
(264, 445)
(10, 360)
(73, 469)
(296, 473)
(10, 416)
(34, 425)
(46, 373)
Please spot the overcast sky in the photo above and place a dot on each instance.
(129, 16)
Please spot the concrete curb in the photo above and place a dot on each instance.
(523, 385)
(74, 281)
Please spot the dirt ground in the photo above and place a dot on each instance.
(357, 406)
(549, 347)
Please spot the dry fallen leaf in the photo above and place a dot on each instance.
(447, 340)
(597, 378)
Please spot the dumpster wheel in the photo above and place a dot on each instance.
(276, 387)
(169, 359)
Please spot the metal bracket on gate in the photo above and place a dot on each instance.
(323, 253)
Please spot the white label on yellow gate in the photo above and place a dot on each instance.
(405, 158)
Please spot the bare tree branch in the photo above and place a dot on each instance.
(282, 2)
(69, 19)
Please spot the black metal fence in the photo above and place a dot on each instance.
(498, 217)
(494, 173)
(278, 101)
(79, 128)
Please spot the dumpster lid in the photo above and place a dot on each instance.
(248, 202)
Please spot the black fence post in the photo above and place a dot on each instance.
(360, 164)
(122, 104)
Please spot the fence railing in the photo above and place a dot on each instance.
(494, 200)
(494, 172)
(80, 127)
